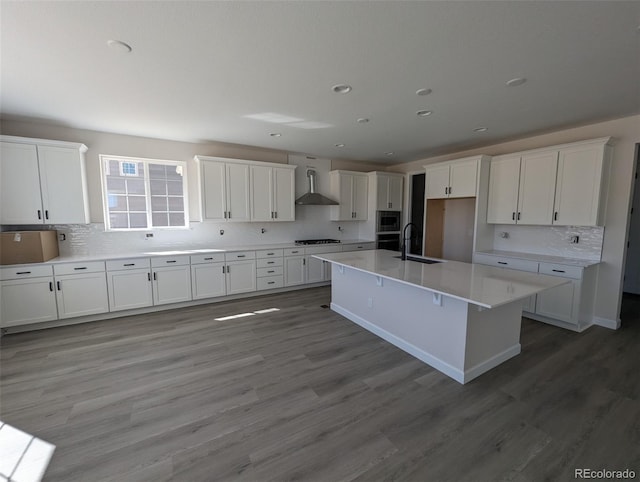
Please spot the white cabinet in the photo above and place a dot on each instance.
(273, 191)
(358, 246)
(208, 279)
(225, 191)
(81, 289)
(387, 189)
(171, 279)
(317, 270)
(350, 188)
(294, 270)
(452, 179)
(129, 283)
(269, 269)
(522, 187)
(581, 189)
(42, 182)
(559, 303)
(27, 295)
(241, 276)
(563, 185)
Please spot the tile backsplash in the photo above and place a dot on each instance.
(551, 240)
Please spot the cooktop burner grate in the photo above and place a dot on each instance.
(317, 241)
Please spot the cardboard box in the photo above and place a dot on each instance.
(17, 247)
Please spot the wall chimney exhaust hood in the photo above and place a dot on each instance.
(312, 197)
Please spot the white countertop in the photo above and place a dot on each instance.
(177, 252)
(583, 263)
(477, 284)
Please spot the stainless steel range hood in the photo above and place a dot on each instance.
(312, 197)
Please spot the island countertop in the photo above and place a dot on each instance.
(480, 285)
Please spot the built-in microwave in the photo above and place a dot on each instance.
(388, 221)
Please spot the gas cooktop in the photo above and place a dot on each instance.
(316, 241)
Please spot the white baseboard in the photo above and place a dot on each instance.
(607, 323)
(492, 362)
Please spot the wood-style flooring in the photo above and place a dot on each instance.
(304, 394)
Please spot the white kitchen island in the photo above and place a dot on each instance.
(462, 319)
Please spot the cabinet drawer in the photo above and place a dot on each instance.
(270, 282)
(207, 258)
(269, 253)
(169, 261)
(274, 271)
(294, 251)
(78, 268)
(34, 271)
(563, 270)
(358, 247)
(130, 263)
(323, 249)
(512, 263)
(239, 255)
(269, 262)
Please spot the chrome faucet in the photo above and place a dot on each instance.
(405, 239)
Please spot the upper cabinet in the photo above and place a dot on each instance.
(452, 179)
(42, 182)
(350, 188)
(388, 190)
(241, 190)
(273, 193)
(563, 185)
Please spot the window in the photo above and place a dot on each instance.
(144, 193)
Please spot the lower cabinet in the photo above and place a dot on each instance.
(129, 282)
(81, 294)
(559, 303)
(241, 276)
(294, 269)
(171, 279)
(24, 301)
(317, 270)
(208, 280)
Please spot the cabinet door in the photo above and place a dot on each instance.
(208, 280)
(20, 199)
(316, 270)
(129, 289)
(171, 284)
(578, 186)
(382, 192)
(214, 190)
(463, 178)
(262, 208)
(558, 303)
(360, 197)
(62, 179)
(537, 188)
(504, 176)
(241, 277)
(284, 194)
(437, 182)
(294, 270)
(529, 304)
(238, 198)
(25, 301)
(81, 294)
(345, 197)
(395, 193)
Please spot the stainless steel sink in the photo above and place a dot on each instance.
(420, 260)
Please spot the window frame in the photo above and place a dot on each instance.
(104, 162)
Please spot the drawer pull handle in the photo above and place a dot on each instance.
(558, 271)
(271, 271)
(270, 262)
(129, 264)
(502, 262)
(81, 268)
(208, 259)
(172, 261)
(50, 286)
(270, 254)
(271, 282)
(23, 272)
(241, 256)
(295, 252)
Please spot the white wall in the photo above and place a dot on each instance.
(626, 132)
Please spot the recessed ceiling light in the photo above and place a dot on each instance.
(362, 120)
(390, 153)
(424, 113)
(275, 134)
(423, 91)
(341, 88)
(481, 129)
(119, 46)
(516, 82)
(339, 145)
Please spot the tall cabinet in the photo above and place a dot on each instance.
(42, 182)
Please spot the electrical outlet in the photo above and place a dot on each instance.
(148, 235)
(221, 232)
(504, 235)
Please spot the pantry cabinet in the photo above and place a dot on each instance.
(42, 182)
(350, 188)
(273, 191)
(453, 179)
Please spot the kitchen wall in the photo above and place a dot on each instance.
(311, 221)
(626, 132)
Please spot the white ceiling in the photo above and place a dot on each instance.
(198, 69)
